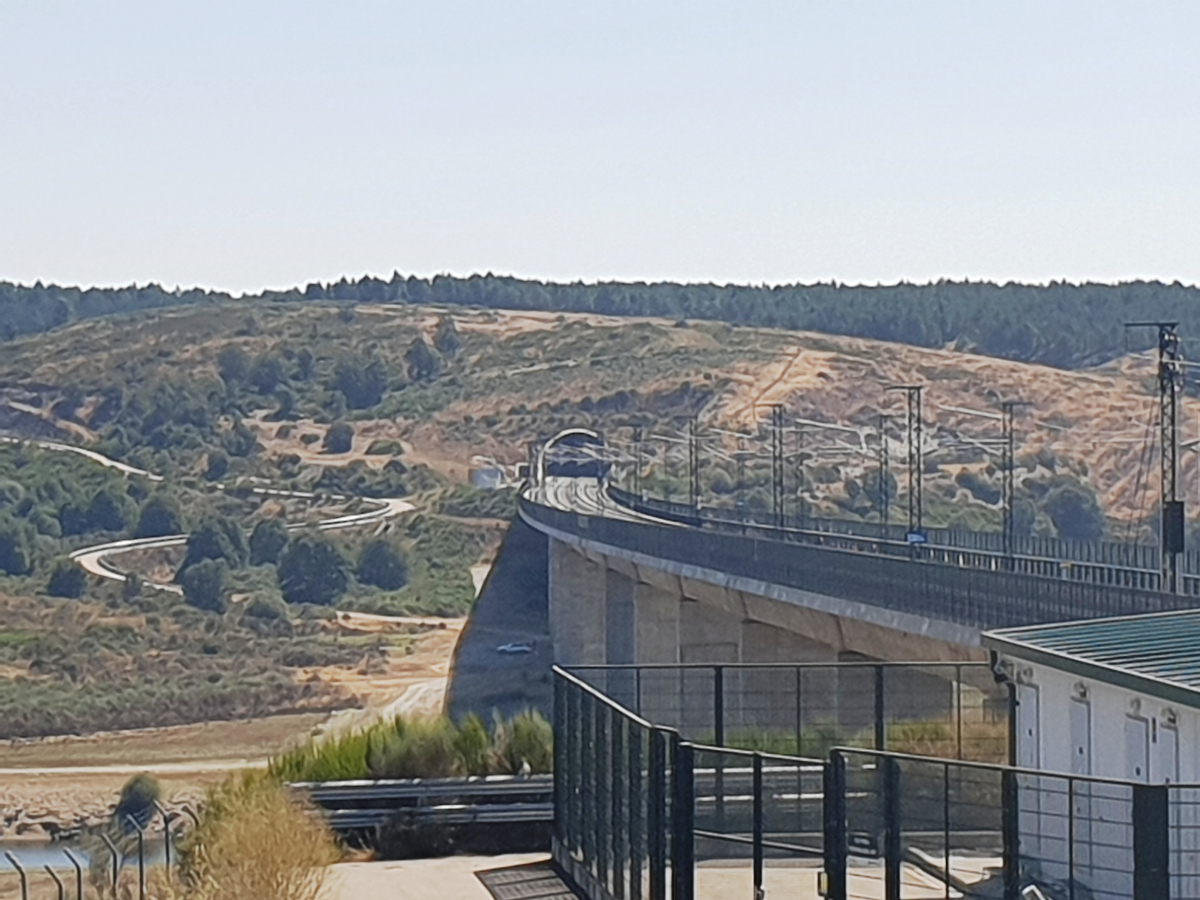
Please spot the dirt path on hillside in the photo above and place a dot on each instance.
(413, 684)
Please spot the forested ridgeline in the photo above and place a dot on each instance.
(1059, 324)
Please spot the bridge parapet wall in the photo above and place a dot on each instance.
(887, 590)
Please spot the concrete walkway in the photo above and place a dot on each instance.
(448, 878)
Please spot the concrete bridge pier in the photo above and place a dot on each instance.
(607, 610)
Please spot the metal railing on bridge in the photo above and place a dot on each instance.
(865, 570)
(1121, 564)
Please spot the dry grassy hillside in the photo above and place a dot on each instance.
(1097, 422)
(242, 393)
(519, 375)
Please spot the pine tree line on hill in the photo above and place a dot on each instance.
(1059, 324)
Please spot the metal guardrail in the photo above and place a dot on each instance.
(869, 571)
(1140, 557)
(343, 820)
(492, 800)
(1123, 565)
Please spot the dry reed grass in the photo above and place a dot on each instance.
(255, 841)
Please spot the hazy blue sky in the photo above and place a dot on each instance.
(250, 144)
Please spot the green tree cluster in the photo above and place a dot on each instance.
(311, 570)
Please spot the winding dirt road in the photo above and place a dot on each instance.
(94, 559)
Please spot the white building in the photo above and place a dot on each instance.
(1113, 698)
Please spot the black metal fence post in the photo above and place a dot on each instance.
(637, 821)
(116, 859)
(1010, 824)
(834, 810)
(58, 882)
(758, 825)
(619, 822)
(892, 844)
(576, 773)
(1151, 846)
(656, 815)
(78, 873)
(799, 712)
(587, 800)
(167, 817)
(683, 841)
(16, 864)
(880, 710)
(958, 708)
(719, 706)
(560, 763)
(141, 845)
(604, 791)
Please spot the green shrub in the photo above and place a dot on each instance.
(67, 580)
(361, 381)
(264, 606)
(137, 800)
(255, 839)
(422, 364)
(380, 447)
(107, 512)
(473, 745)
(382, 565)
(218, 537)
(268, 540)
(312, 571)
(204, 585)
(159, 516)
(217, 466)
(339, 438)
(132, 586)
(421, 748)
(526, 739)
(16, 548)
(467, 501)
(424, 748)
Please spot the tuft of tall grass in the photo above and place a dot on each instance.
(424, 748)
(256, 841)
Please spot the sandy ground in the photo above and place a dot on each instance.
(469, 878)
(451, 878)
(458, 878)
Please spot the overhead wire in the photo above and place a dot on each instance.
(1143, 466)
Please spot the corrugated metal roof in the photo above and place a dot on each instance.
(1161, 651)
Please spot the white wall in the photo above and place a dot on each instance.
(1130, 735)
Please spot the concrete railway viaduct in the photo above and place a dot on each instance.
(594, 575)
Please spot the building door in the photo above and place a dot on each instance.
(1081, 737)
(1137, 749)
(1029, 754)
(1164, 754)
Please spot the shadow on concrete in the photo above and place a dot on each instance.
(532, 881)
(491, 672)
